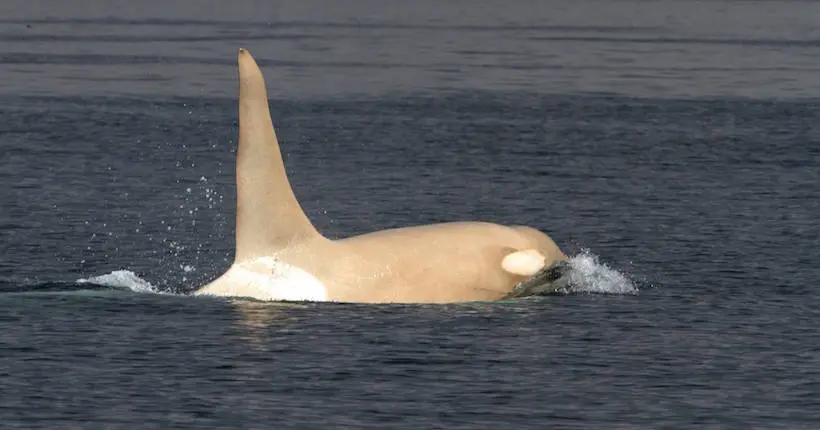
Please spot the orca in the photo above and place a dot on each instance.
(281, 256)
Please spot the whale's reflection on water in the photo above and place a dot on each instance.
(259, 323)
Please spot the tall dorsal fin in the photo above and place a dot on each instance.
(268, 216)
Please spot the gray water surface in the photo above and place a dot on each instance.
(670, 146)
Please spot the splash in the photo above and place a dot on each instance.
(179, 252)
(588, 275)
(125, 279)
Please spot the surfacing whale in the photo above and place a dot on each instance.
(281, 256)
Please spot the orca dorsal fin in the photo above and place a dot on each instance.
(268, 216)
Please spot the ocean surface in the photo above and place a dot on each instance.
(671, 147)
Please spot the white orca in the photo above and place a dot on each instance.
(280, 255)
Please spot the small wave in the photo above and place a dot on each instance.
(589, 275)
(122, 279)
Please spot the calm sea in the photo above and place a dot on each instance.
(671, 147)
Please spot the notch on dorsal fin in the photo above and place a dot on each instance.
(268, 216)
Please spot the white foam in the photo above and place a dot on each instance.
(589, 275)
(122, 279)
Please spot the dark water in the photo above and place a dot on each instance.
(673, 142)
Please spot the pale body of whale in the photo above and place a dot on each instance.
(280, 255)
